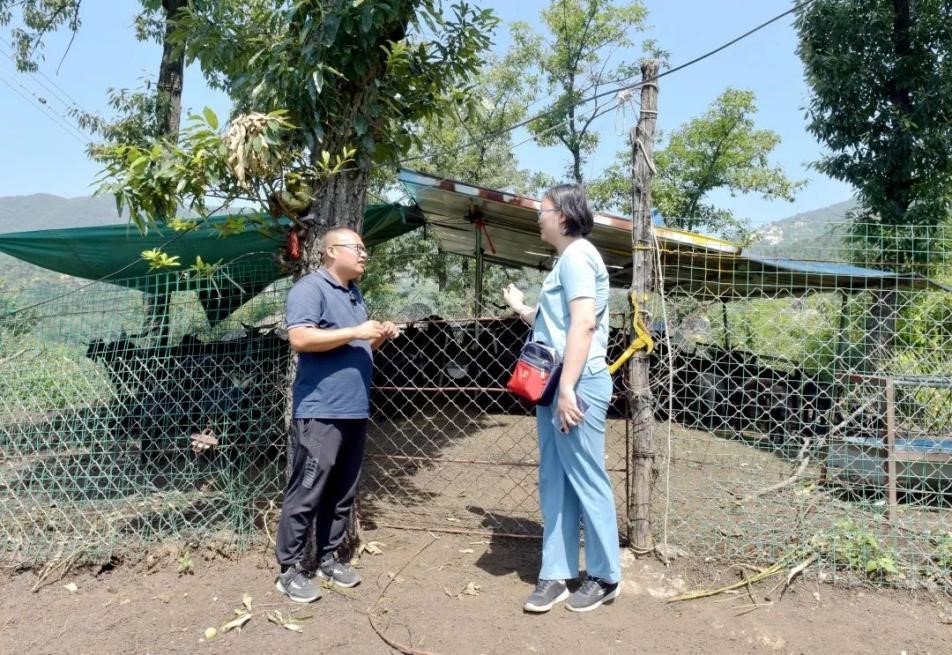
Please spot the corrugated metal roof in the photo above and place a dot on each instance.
(455, 210)
(693, 263)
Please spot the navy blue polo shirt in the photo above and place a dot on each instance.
(335, 383)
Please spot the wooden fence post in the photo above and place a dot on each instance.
(642, 285)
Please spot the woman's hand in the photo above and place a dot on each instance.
(567, 410)
(514, 298)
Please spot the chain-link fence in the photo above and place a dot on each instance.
(807, 416)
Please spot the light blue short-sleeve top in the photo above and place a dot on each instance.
(578, 273)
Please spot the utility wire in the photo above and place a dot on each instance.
(43, 101)
(47, 111)
(68, 102)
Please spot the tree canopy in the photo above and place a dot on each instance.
(880, 74)
(575, 60)
(322, 91)
(721, 149)
(359, 74)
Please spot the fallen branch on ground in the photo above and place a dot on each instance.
(797, 475)
(795, 571)
(406, 650)
(57, 564)
(706, 593)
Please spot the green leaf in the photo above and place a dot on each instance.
(211, 118)
(138, 166)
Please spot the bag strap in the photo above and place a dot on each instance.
(598, 319)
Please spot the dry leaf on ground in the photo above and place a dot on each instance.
(71, 587)
(471, 589)
(236, 623)
(287, 622)
(373, 547)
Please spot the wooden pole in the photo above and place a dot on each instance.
(641, 402)
(480, 271)
(891, 449)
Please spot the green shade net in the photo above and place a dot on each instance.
(113, 253)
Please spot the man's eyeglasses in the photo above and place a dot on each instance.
(356, 247)
(353, 297)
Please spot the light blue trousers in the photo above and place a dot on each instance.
(573, 485)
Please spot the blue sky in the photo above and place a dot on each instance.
(45, 155)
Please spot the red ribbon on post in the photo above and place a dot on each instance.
(481, 225)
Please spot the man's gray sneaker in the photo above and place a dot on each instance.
(296, 584)
(546, 594)
(340, 573)
(591, 595)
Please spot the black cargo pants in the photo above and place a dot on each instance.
(323, 483)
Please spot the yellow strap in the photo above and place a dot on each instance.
(642, 338)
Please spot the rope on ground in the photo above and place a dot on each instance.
(406, 650)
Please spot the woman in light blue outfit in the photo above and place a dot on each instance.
(572, 317)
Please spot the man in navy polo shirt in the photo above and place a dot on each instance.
(328, 328)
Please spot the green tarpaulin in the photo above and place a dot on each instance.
(113, 253)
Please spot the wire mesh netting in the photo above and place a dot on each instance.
(793, 420)
(107, 397)
(810, 416)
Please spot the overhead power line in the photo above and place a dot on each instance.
(47, 111)
(57, 91)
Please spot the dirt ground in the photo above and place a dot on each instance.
(416, 592)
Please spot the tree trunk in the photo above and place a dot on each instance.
(880, 329)
(339, 201)
(577, 165)
(899, 175)
(171, 70)
(442, 271)
(642, 284)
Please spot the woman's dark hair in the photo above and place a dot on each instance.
(571, 201)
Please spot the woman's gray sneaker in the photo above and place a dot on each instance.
(297, 585)
(546, 594)
(591, 595)
(340, 573)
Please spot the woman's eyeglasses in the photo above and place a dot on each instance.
(539, 212)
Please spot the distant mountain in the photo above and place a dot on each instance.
(814, 234)
(42, 211)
